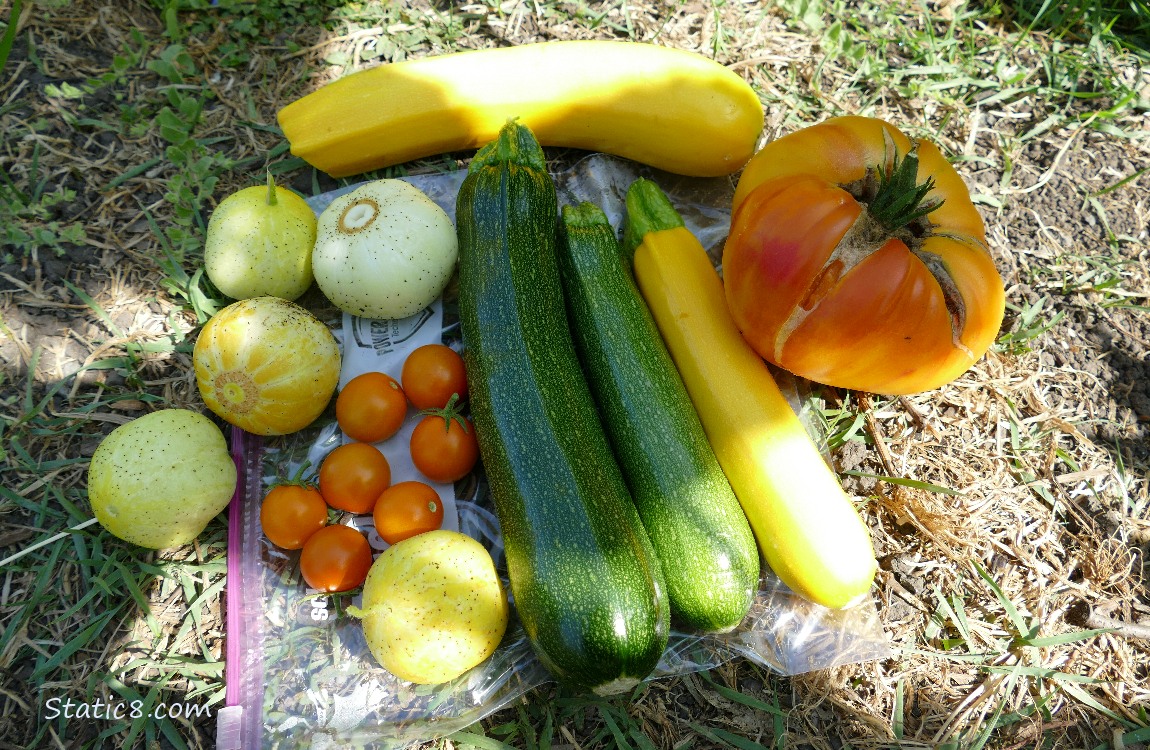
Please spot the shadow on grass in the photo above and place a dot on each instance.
(1123, 23)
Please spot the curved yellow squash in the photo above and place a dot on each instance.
(805, 524)
(667, 108)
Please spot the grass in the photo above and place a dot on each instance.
(118, 150)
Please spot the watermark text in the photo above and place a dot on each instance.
(56, 707)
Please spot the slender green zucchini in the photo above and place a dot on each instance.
(694, 520)
(807, 527)
(587, 586)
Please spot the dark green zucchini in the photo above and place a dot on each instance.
(587, 586)
(694, 521)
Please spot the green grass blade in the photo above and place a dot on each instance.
(480, 741)
(1021, 626)
(913, 483)
(616, 732)
(737, 697)
(727, 739)
(1059, 640)
(991, 724)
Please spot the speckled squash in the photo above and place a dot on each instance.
(433, 607)
(259, 242)
(385, 250)
(266, 365)
(158, 480)
(588, 588)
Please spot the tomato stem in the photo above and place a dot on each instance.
(452, 410)
(900, 199)
(297, 479)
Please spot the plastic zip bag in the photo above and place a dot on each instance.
(298, 669)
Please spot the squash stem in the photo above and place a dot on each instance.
(585, 215)
(900, 199)
(648, 210)
(271, 199)
(516, 144)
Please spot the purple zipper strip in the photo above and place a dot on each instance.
(234, 585)
(243, 661)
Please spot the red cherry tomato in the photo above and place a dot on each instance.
(335, 558)
(371, 407)
(291, 513)
(432, 374)
(352, 476)
(443, 445)
(406, 509)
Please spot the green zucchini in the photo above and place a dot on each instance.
(586, 584)
(694, 521)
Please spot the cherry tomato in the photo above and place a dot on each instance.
(371, 407)
(352, 476)
(443, 445)
(431, 374)
(291, 513)
(335, 558)
(406, 509)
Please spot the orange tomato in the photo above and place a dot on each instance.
(857, 259)
(443, 445)
(266, 365)
(371, 407)
(335, 558)
(352, 477)
(291, 513)
(406, 509)
(432, 374)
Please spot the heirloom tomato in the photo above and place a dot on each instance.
(857, 259)
(266, 365)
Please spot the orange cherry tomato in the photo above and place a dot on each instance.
(291, 513)
(406, 509)
(431, 374)
(443, 445)
(371, 407)
(352, 476)
(335, 558)
(857, 259)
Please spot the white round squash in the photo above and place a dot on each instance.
(384, 250)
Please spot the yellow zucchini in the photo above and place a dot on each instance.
(671, 109)
(806, 526)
